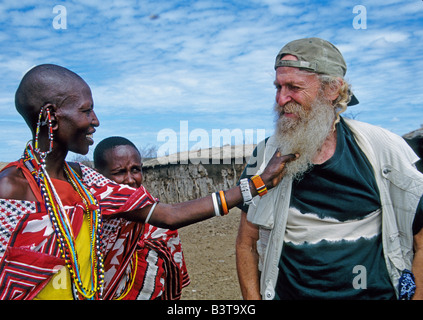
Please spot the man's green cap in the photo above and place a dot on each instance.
(315, 55)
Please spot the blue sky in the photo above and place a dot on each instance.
(152, 64)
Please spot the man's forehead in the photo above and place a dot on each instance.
(289, 57)
(294, 74)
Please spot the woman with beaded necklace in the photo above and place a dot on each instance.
(67, 232)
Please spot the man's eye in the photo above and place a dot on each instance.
(295, 88)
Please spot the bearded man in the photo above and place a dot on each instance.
(346, 220)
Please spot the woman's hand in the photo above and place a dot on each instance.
(273, 173)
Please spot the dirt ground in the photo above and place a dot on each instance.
(209, 250)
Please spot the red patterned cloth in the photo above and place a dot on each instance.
(161, 272)
(29, 253)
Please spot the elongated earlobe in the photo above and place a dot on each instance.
(53, 118)
(44, 119)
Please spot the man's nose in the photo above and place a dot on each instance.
(283, 96)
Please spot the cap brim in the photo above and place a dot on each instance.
(353, 101)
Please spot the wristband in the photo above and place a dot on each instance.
(215, 205)
(219, 203)
(223, 200)
(244, 185)
(150, 213)
(259, 184)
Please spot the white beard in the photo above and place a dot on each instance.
(304, 135)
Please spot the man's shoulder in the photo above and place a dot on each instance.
(381, 140)
(364, 125)
(371, 130)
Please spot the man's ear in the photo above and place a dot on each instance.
(332, 91)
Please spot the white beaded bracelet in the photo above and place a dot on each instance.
(244, 184)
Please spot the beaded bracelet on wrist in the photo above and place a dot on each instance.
(259, 184)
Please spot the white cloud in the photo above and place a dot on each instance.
(210, 62)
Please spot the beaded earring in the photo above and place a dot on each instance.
(40, 123)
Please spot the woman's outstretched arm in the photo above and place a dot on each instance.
(174, 216)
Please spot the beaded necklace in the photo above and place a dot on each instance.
(63, 228)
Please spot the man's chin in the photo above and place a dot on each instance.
(287, 124)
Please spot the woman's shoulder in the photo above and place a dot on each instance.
(13, 185)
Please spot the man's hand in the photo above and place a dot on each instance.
(274, 172)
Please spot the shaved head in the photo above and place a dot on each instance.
(44, 84)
